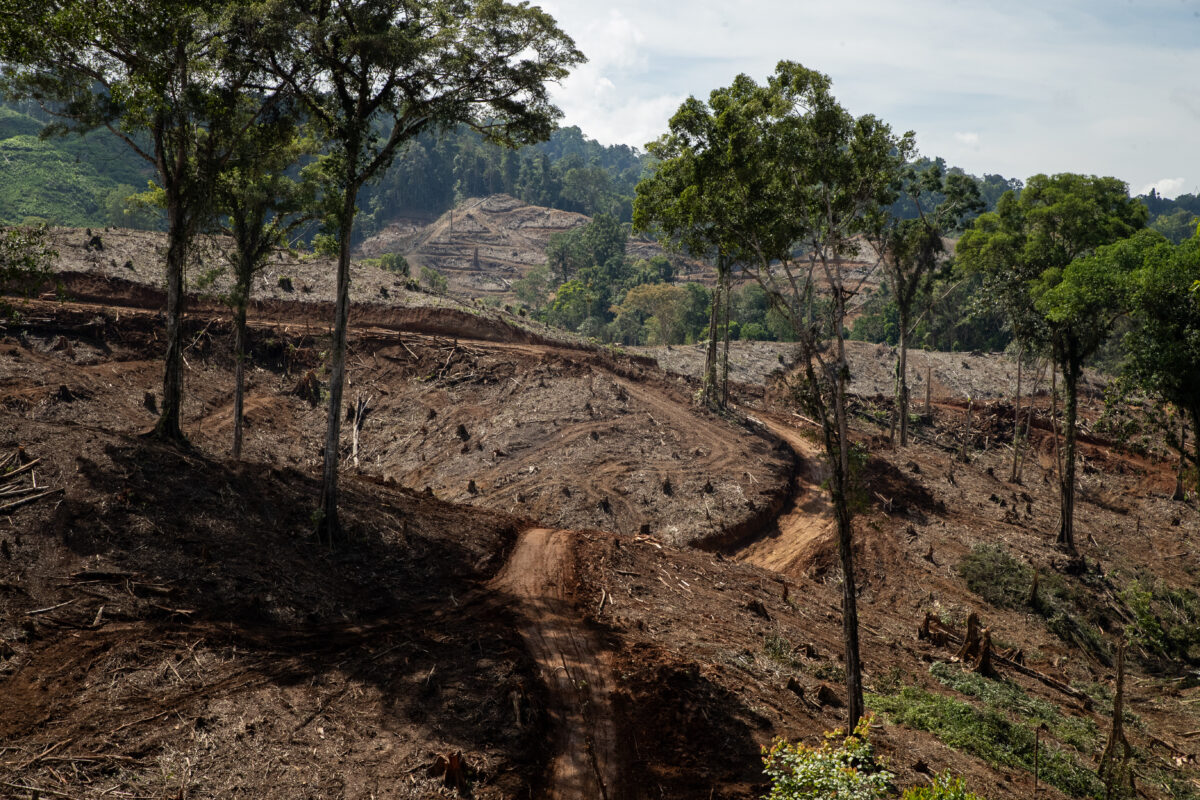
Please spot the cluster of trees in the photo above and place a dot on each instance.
(784, 184)
(781, 182)
(88, 180)
(589, 284)
(1068, 268)
(260, 113)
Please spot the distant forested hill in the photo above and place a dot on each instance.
(84, 181)
(569, 172)
(73, 180)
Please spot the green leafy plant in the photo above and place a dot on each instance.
(842, 767)
(945, 787)
(989, 733)
(433, 280)
(26, 260)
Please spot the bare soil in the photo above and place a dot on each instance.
(168, 629)
(486, 244)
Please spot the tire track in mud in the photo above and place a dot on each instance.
(536, 579)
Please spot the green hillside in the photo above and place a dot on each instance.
(74, 180)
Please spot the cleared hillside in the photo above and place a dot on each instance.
(486, 244)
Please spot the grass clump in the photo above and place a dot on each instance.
(777, 648)
(989, 734)
(1080, 733)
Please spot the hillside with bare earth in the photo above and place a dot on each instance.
(486, 244)
(562, 580)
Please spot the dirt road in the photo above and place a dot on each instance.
(806, 521)
(575, 668)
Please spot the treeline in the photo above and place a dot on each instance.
(569, 172)
(88, 180)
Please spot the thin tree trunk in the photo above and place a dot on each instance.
(928, 390)
(1196, 444)
(1017, 415)
(239, 356)
(902, 384)
(168, 426)
(841, 485)
(711, 395)
(725, 297)
(1179, 494)
(1066, 532)
(329, 529)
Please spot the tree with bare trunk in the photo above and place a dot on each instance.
(912, 250)
(789, 182)
(259, 206)
(163, 77)
(371, 75)
(1035, 250)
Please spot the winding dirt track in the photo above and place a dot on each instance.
(572, 662)
(808, 519)
(536, 578)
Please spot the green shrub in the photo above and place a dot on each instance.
(433, 280)
(844, 770)
(1166, 620)
(394, 262)
(1071, 613)
(992, 573)
(945, 787)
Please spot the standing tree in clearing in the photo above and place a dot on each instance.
(1164, 346)
(911, 250)
(790, 179)
(1030, 244)
(260, 205)
(373, 74)
(689, 199)
(158, 75)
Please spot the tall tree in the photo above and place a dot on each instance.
(374, 74)
(1164, 346)
(1028, 247)
(259, 206)
(690, 196)
(910, 251)
(158, 75)
(781, 179)
(826, 174)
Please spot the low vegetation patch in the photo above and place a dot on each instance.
(1071, 611)
(1002, 736)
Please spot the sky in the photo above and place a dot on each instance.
(1105, 87)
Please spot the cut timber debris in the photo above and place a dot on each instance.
(18, 482)
(1114, 768)
(940, 634)
(452, 769)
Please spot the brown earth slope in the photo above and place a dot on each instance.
(168, 629)
(486, 244)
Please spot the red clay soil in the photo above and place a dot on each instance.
(539, 577)
(169, 630)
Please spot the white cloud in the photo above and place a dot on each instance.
(1016, 89)
(1166, 187)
